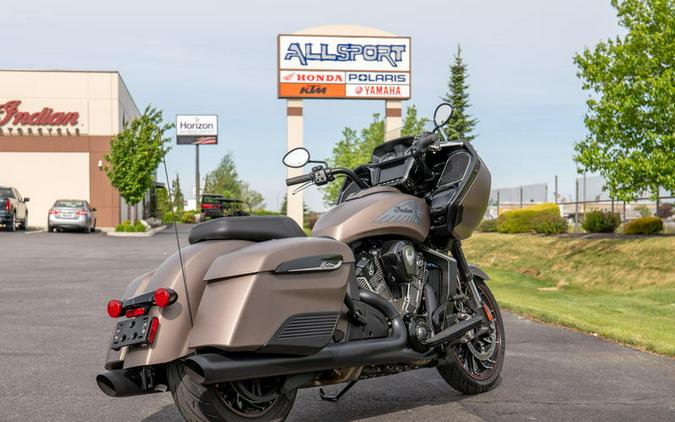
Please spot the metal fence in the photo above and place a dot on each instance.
(589, 195)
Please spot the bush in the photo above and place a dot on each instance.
(524, 220)
(601, 221)
(643, 210)
(126, 226)
(170, 218)
(550, 225)
(644, 225)
(188, 217)
(488, 225)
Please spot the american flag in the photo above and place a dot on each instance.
(205, 140)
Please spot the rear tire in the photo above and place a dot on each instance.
(198, 403)
(460, 373)
(11, 225)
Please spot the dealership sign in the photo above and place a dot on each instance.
(316, 66)
(199, 129)
(15, 119)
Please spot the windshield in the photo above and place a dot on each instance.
(6, 193)
(66, 203)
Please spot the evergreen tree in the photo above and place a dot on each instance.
(461, 124)
(178, 197)
(224, 180)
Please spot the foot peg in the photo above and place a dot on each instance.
(455, 332)
(336, 397)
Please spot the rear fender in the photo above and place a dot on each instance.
(174, 321)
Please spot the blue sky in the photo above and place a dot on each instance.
(220, 57)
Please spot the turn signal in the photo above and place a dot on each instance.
(115, 308)
(164, 297)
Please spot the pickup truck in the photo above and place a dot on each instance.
(13, 209)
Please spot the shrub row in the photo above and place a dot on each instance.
(126, 226)
(188, 217)
(543, 218)
(644, 225)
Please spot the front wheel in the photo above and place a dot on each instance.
(475, 365)
(250, 400)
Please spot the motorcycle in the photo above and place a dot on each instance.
(254, 309)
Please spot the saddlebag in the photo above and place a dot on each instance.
(278, 296)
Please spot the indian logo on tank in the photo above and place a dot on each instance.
(404, 212)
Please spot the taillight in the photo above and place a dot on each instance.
(164, 297)
(115, 308)
(53, 212)
(81, 212)
(7, 204)
(152, 331)
(207, 206)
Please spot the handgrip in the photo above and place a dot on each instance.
(298, 179)
(427, 140)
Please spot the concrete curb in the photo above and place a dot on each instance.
(148, 233)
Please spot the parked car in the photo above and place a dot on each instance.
(13, 209)
(212, 206)
(72, 214)
(216, 206)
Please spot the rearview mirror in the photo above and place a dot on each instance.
(26, 200)
(296, 158)
(442, 114)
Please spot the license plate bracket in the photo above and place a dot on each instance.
(130, 332)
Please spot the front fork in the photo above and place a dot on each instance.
(466, 278)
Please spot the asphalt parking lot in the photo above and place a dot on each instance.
(54, 333)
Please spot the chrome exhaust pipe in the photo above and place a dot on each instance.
(116, 383)
(210, 368)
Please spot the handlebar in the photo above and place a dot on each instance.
(299, 179)
(356, 179)
(330, 172)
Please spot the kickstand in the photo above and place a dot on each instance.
(338, 396)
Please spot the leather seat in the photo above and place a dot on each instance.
(253, 228)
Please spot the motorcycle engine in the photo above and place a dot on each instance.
(394, 270)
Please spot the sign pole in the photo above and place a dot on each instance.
(392, 119)
(294, 203)
(197, 198)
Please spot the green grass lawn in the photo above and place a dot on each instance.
(620, 288)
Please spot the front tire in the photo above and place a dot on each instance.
(467, 372)
(198, 403)
(24, 224)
